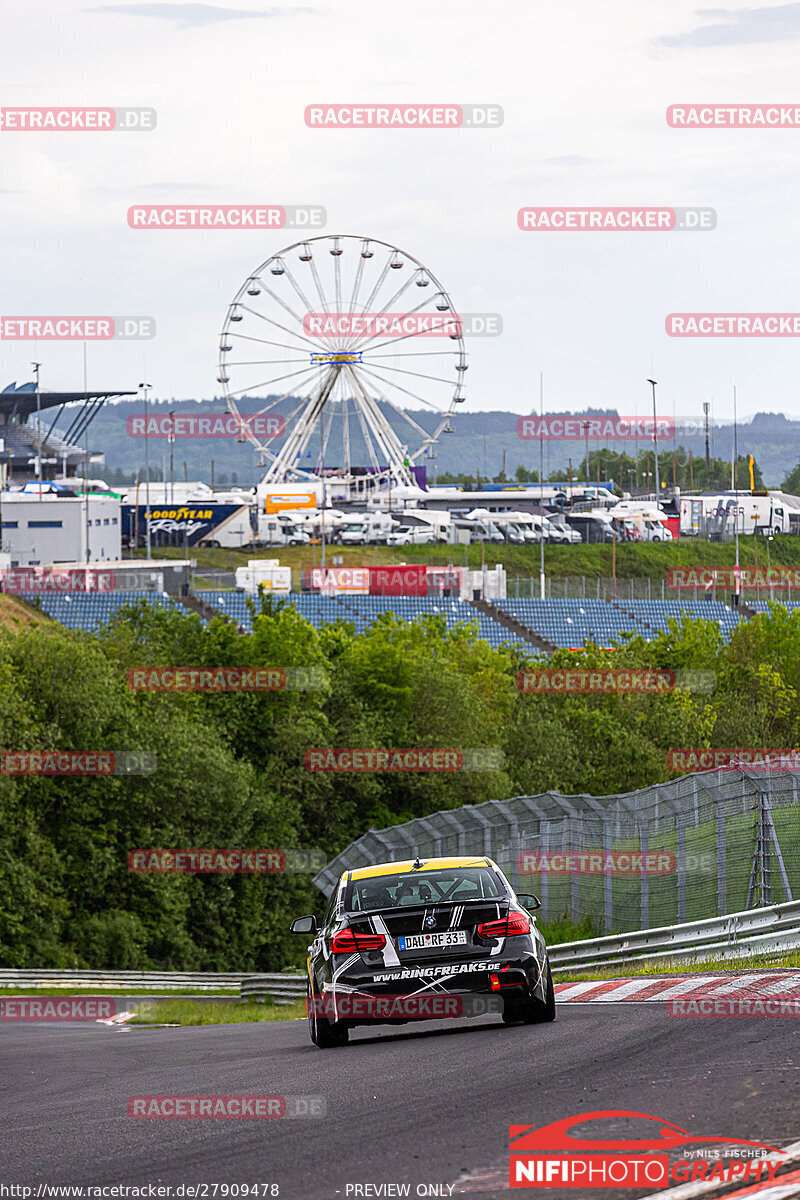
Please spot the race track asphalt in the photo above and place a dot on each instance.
(422, 1105)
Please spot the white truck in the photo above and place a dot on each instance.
(722, 514)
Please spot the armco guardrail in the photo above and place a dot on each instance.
(754, 931)
(148, 980)
(284, 989)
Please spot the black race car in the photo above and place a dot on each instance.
(416, 940)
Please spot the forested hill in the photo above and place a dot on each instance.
(477, 444)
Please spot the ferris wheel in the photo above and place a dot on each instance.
(356, 345)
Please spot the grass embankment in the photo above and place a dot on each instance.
(633, 561)
(185, 1012)
(14, 613)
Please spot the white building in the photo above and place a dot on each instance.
(52, 528)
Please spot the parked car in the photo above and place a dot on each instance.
(412, 535)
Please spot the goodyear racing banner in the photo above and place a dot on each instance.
(194, 522)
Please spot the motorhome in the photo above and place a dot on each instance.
(646, 521)
(592, 526)
(280, 529)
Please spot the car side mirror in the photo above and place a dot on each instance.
(304, 925)
(528, 900)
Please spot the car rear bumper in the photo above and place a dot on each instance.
(458, 990)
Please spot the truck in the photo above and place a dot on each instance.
(718, 515)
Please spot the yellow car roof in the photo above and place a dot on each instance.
(428, 864)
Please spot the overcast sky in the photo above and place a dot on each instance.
(584, 88)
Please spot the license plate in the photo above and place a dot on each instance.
(422, 941)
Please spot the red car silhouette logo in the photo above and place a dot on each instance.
(556, 1136)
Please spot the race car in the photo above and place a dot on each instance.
(422, 939)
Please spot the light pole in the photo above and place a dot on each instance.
(734, 458)
(145, 387)
(36, 366)
(655, 435)
(541, 486)
(172, 459)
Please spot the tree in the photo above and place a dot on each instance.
(791, 483)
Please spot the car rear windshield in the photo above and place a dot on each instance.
(445, 885)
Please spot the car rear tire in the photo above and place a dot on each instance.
(537, 1012)
(530, 1011)
(324, 1033)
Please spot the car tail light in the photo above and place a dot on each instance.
(346, 941)
(517, 923)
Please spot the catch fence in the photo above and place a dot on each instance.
(692, 848)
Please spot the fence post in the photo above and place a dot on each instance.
(574, 845)
(773, 837)
(680, 867)
(544, 881)
(722, 875)
(644, 902)
(608, 898)
(766, 850)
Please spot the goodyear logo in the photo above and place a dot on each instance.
(177, 514)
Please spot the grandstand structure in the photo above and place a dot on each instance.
(22, 441)
(537, 626)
